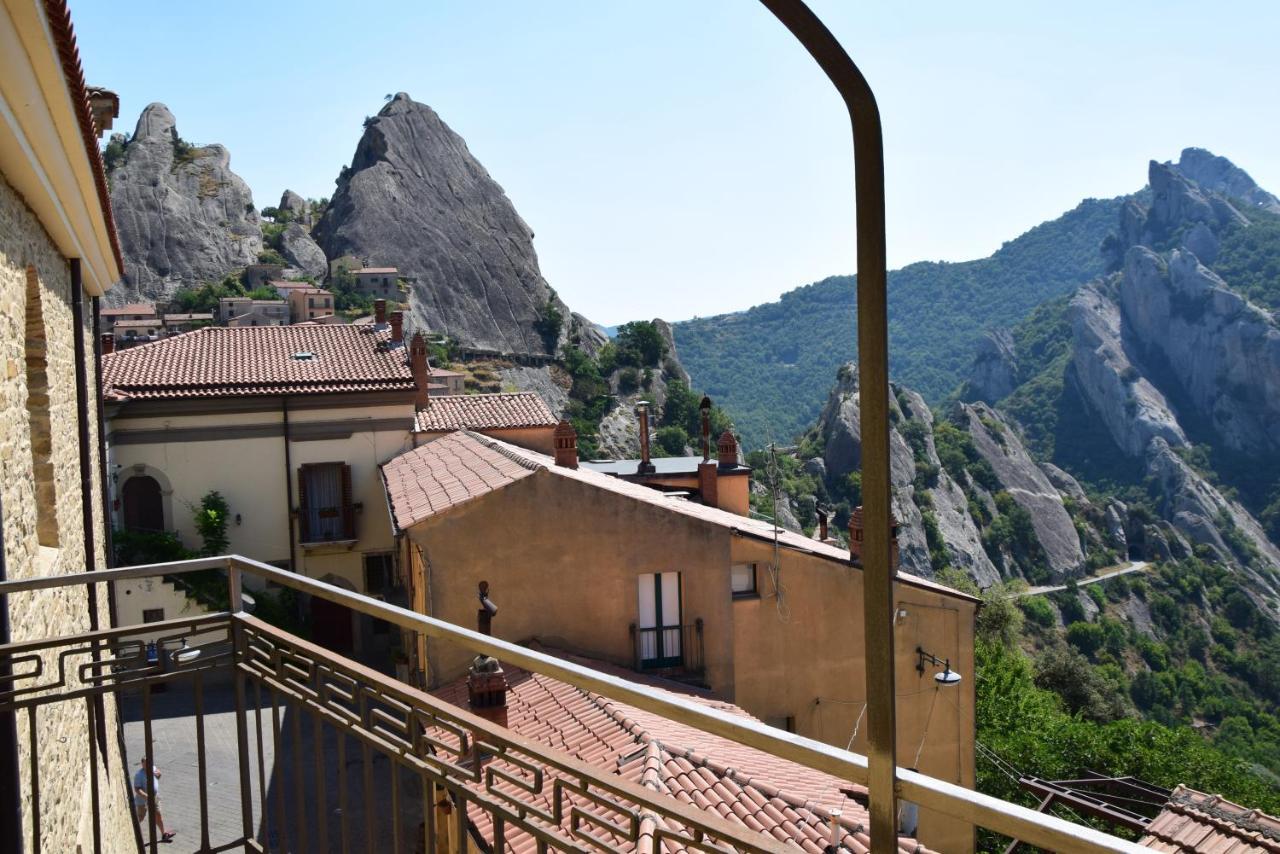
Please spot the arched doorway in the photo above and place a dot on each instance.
(143, 504)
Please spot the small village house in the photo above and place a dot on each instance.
(379, 282)
(309, 304)
(625, 573)
(245, 311)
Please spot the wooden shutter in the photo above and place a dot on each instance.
(348, 510)
(304, 515)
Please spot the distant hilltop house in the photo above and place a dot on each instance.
(381, 282)
(245, 311)
(309, 303)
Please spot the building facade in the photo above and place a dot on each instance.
(58, 255)
(378, 282)
(309, 304)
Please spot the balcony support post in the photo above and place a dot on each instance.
(236, 606)
(873, 384)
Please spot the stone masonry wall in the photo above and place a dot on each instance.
(62, 735)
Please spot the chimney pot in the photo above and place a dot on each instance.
(822, 525)
(108, 343)
(566, 441)
(727, 449)
(418, 367)
(379, 311)
(397, 326)
(705, 408)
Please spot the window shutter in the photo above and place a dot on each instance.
(304, 516)
(348, 511)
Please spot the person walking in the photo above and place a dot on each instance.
(141, 799)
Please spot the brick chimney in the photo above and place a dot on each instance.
(108, 343)
(566, 439)
(379, 311)
(645, 466)
(419, 367)
(708, 487)
(397, 326)
(856, 539)
(822, 525)
(727, 449)
(486, 683)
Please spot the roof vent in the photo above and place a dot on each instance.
(303, 356)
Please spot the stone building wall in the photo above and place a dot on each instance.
(43, 527)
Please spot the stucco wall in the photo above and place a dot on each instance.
(62, 736)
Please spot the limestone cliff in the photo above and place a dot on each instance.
(415, 198)
(183, 216)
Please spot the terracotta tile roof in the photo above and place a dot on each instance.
(442, 372)
(64, 38)
(132, 308)
(466, 445)
(378, 270)
(189, 316)
(258, 360)
(747, 786)
(485, 412)
(1206, 824)
(442, 474)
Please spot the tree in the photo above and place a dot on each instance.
(640, 344)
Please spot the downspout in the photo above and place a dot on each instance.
(86, 483)
(873, 382)
(109, 559)
(288, 480)
(10, 779)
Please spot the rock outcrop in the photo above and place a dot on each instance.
(1221, 351)
(302, 252)
(415, 198)
(998, 443)
(1133, 410)
(183, 216)
(994, 374)
(1220, 175)
(297, 207)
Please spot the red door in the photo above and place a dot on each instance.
(331, 625)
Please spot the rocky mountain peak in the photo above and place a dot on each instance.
(155, 123)
(415, 198)
(1219, 175)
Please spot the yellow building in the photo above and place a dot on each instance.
(590, 563)
(58, 255)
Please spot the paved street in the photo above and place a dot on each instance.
(1134, 566)
(292, 786)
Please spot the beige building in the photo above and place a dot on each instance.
(767, 619)
(58, 255)
(309, 304)
(380, 282)
(134, 311)
(130, 333)
(243, 311)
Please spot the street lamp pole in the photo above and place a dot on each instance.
(873, 387)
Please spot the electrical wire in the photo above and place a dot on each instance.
(928, 720)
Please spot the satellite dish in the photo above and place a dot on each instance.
(947, 677)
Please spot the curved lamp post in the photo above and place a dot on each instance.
(873, 387)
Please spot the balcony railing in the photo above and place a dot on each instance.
(669, 648)
(331, 755)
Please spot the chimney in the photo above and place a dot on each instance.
(822, 525)
(727, 449)
(379, 311)
(856, 539)
(486, 683)
(645, 467)
(566, 440)
(397, 326)
(418, 366)
(708, 488)
(705, 409)
(108, 343)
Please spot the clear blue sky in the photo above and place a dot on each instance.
(684, 157)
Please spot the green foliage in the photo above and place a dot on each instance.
(770, 366)
(639, 345)
(346, 299)
(272, 256)
(204, 298)
(1086, 637)
(670, 441)
(114, 153)
(1038, 610)
(135, 548)
(549, 323)
(211, 523)
(1249, 258)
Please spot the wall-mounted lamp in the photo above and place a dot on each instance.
(946, 677)
(237, 520)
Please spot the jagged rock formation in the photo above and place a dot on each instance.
(1018, 475)
(415, 198)
(296, 206)
(302, 252)
(183, 216)
(995, 368)
(1220, 175)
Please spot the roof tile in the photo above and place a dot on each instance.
(485, 412)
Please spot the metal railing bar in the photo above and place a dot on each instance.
(299, 781)
(342, 789)
(318, 774)
(147, 570)
(201, 770)
(282, 823)
(953, 800)
(149, 763)
(94, 800)
(264, 821)
(21, 647)
(35, 779)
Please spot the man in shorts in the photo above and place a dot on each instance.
(141, 798)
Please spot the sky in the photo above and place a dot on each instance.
(680, 158)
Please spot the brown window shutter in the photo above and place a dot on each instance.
(348, 511)
(304, 517)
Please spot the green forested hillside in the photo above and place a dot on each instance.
(771, 366)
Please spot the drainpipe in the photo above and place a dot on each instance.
(10, 788)
(86, 481)
(288, 480)
(873, 382)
